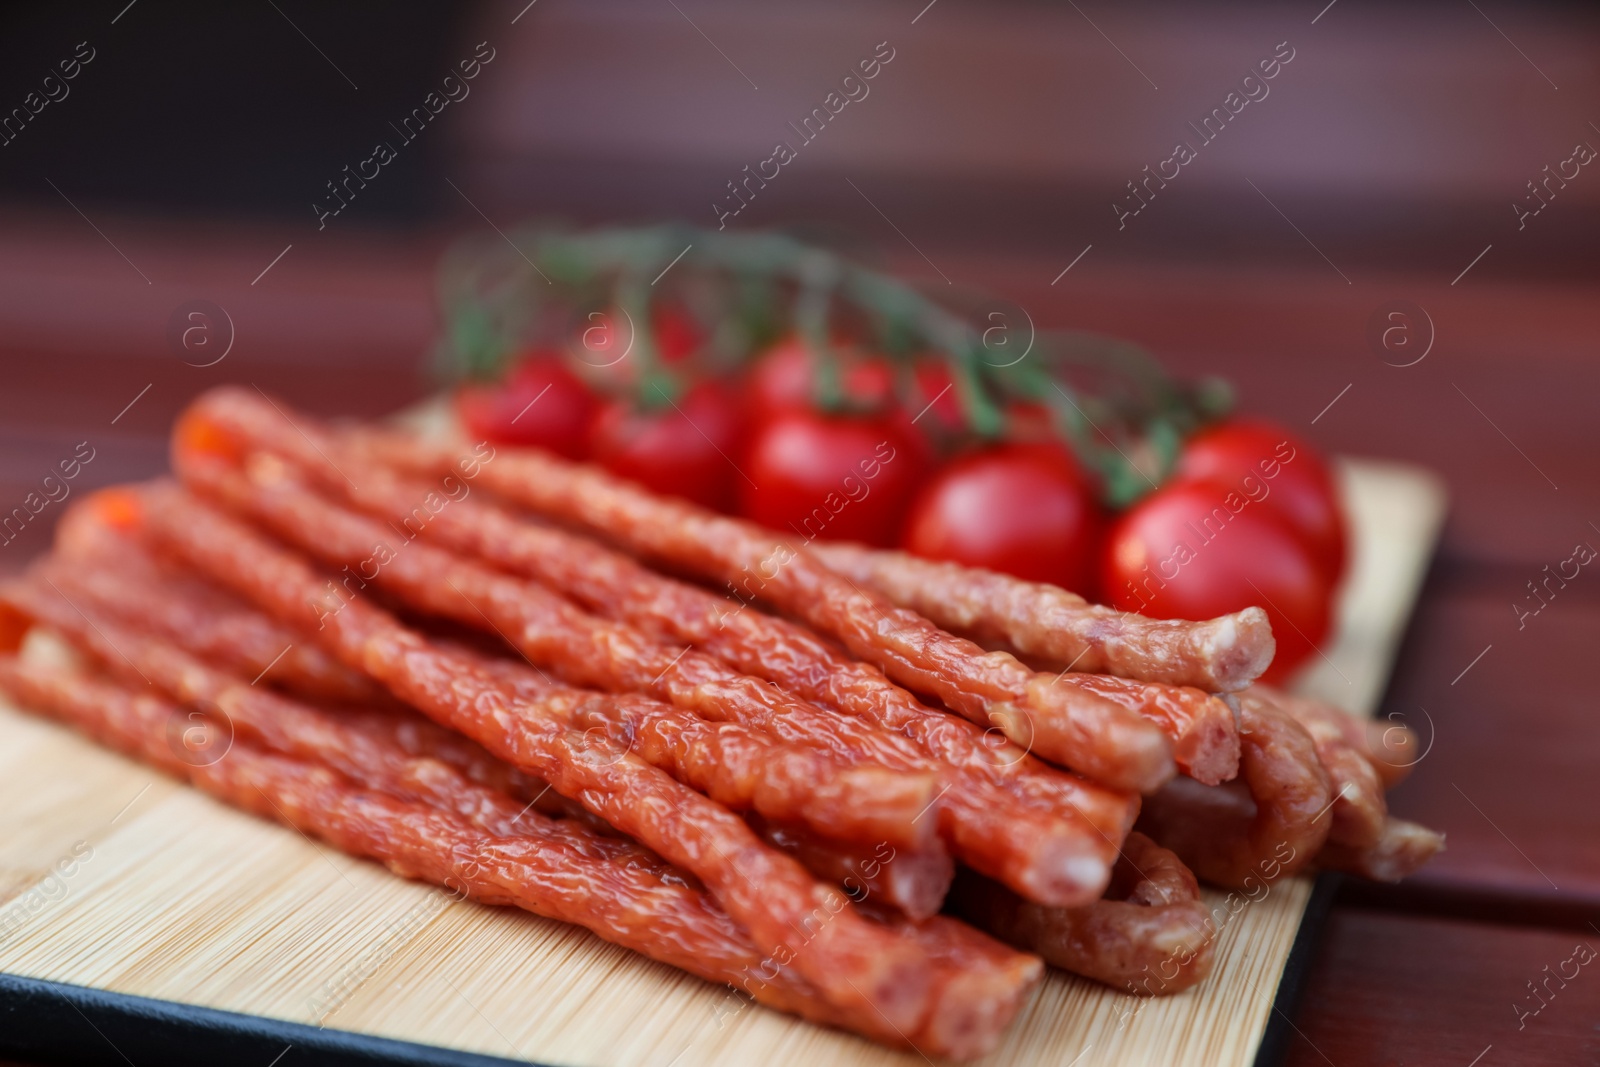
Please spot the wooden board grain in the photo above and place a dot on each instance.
(159, 892)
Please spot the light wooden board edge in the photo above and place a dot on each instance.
(175, 897)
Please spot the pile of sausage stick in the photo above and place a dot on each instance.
(877, 792)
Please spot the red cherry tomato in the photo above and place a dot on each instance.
(1265, 462)
(678, 335)
(782, 379)
(1022, 509)
(844, 477)
(541, 404)
(604, 339)
(684, 449)
(1184, 553)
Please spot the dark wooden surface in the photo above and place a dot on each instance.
(1426, 973)
(1406, 989)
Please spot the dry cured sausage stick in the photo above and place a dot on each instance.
(364, 755)
(364, 748)
(1059, 848)
(750, 641)
(1039, 852)
(817, 777)
(673, 924)
(1391, 748)
(1056, 721)
(794, 918)
(1151, 927)
(140, 725)
(547, 877)
(212, 623)
(1205, 737)
(914, 882)
(1401, 848)
(1362, 759)
(221, 416)
(974, 970)
(90, 565)
(99, 553)
(1359, 811)
(764, 646)
(236, 710)
(1067, 800)
(1269, 824)
(1219, 655)
(873, 800)
(918, 878)
(419, 736)
(986, 983)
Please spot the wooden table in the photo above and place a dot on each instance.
(1503, 406)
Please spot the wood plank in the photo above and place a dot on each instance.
(1392, 990)
(1509, 777)
(1385, 172)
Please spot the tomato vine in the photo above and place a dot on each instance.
(1123, 415)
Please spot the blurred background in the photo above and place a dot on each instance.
(154, 156)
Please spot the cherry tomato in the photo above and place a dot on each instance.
(1199, 549)
(782, 379)
(683, 449)
(1263, 461)
(1022, 509)
(843, 477)
(541, 404)
(604, 339)
(678, 335)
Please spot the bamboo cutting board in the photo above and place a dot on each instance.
(118, 880)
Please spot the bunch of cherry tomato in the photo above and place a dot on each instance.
(1248, 516)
